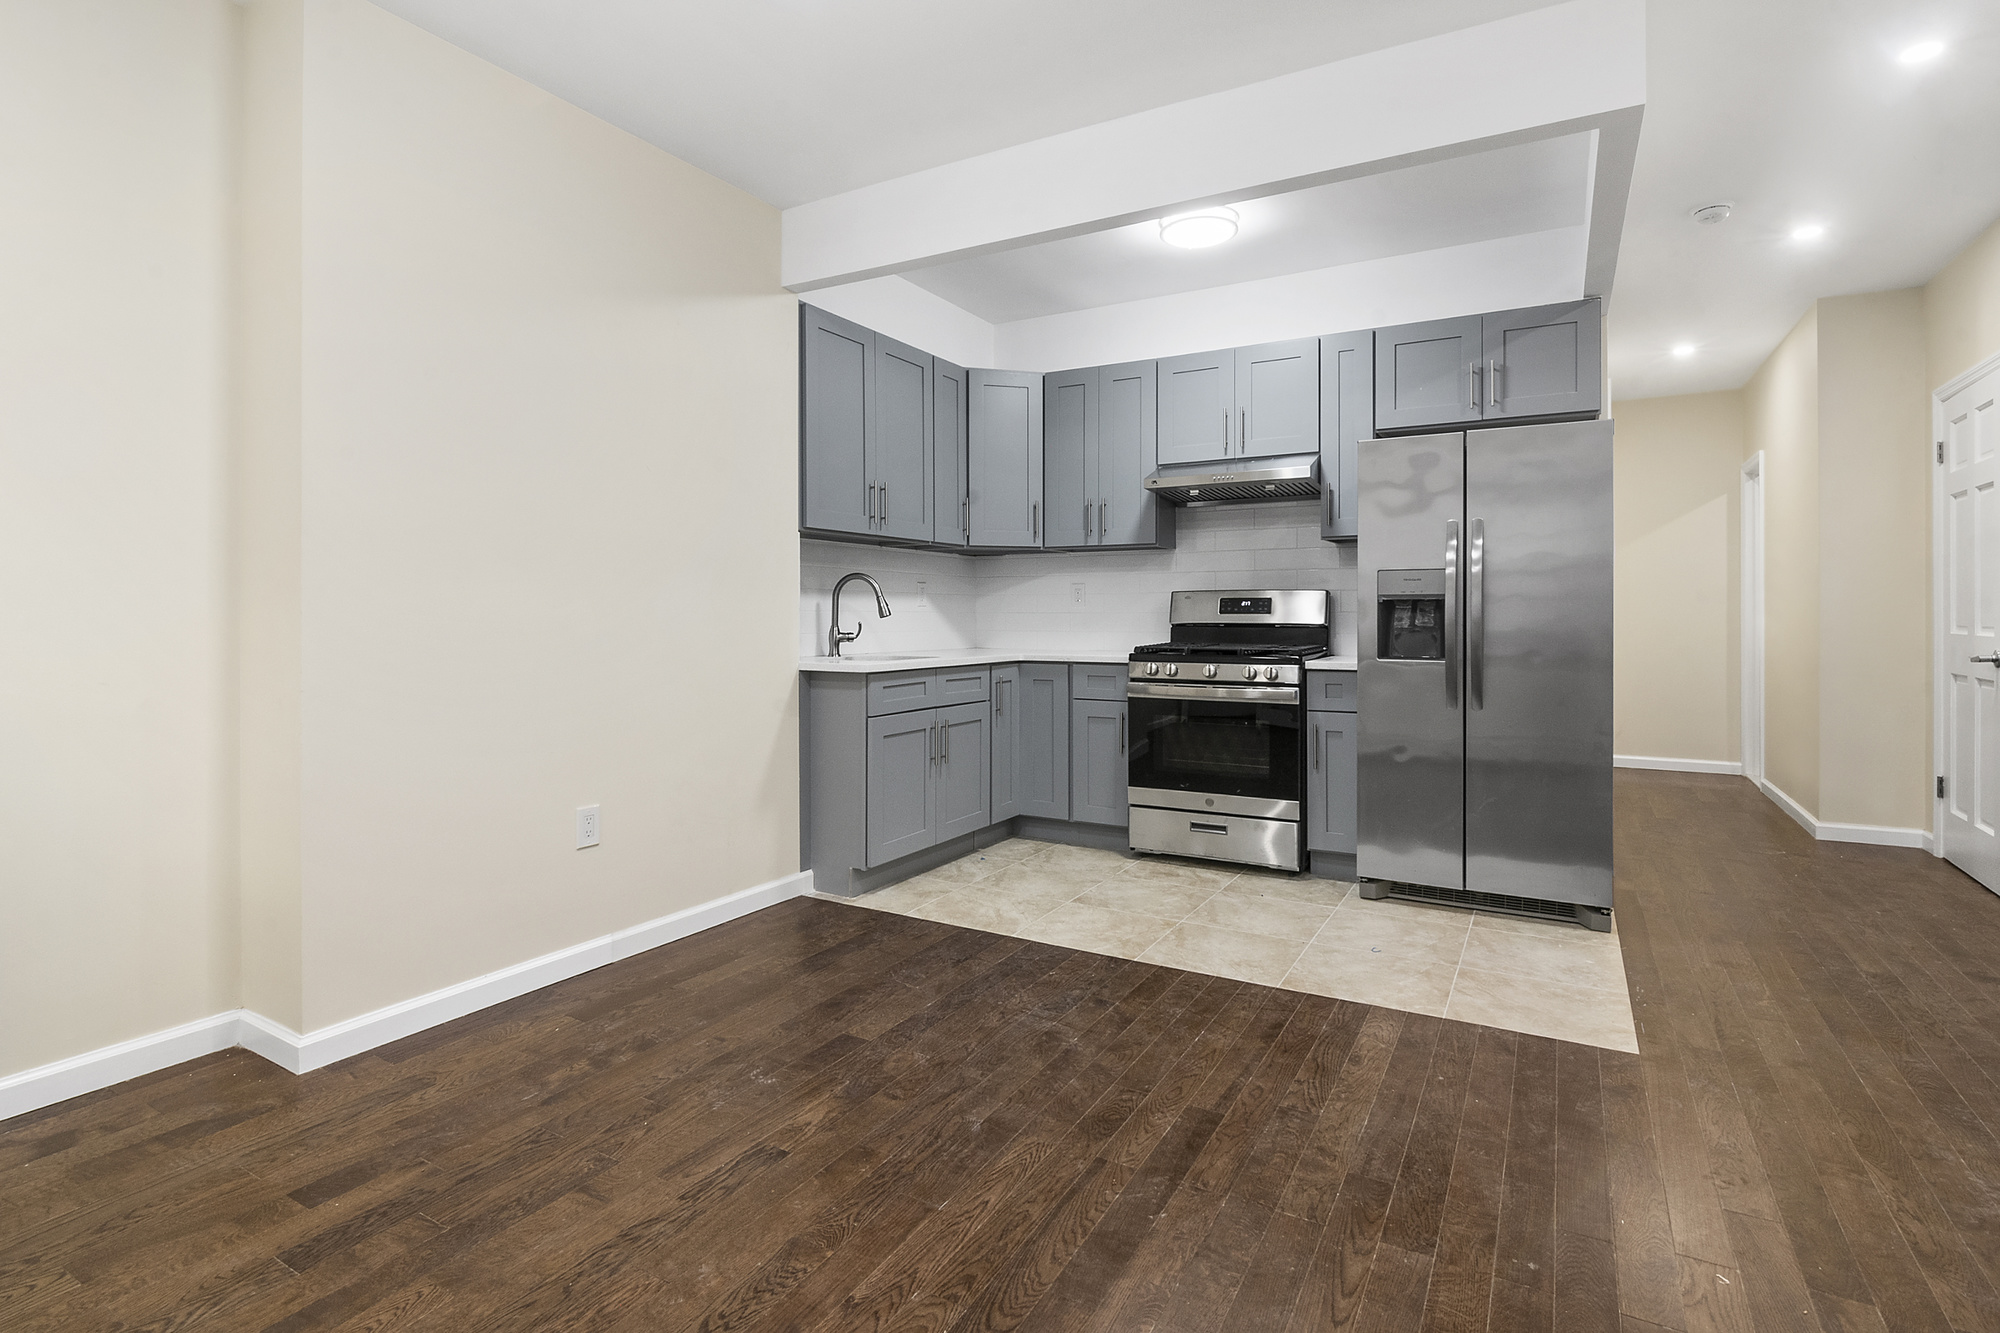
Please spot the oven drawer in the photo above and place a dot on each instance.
(1332, 691)
(1258, 842)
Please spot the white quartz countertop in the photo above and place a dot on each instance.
(870, 663)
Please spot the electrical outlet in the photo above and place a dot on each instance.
(586, 826)
(923, 593)
(1076, 593)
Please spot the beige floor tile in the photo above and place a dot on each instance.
(1297, 888)
(965, 870)
(1092, 858)
(1555, 930)
(1392, 981)
(1255, 914)
(1225, 953)
(1125, 894)
(1543, 1007)
(1081, 925)
(1182, 874)
(1014, 849)
(903, 897)
(1416, 934)
(1005, 914)
(1577, 961)
(1044, 876)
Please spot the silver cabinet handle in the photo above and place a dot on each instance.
(871, 502)
(1991, 659)
(1121, 733)
(999, 698)
(1451, 612)
(1472, 385)
(1243, 430)
(1329, 503)
(1225, 432)
(1316, 736)
(944, 741)
(885, 503)
(1035, 513)
(1086, 518)
(1102, 531)
(1475, 614)
(1493, 384)
(930, 742)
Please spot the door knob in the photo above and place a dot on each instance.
(1991, 659)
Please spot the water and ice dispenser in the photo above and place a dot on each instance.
(1409, 615)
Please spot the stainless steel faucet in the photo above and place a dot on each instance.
(836, 635)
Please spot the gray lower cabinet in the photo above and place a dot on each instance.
(1277, 399)
(951, 525)
(1041, 741)
(902, 800)
(1346, 417)
(1098, 787)
(1004, 452)
(1506, 365)
(963, 773)
(1004, 739)
(1330, 782)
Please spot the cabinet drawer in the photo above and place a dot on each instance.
(963, 685)
(900, 691)
(1331, 691)
(1096, 681)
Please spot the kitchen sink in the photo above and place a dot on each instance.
(883, 657)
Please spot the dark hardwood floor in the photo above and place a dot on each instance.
(822, 1117)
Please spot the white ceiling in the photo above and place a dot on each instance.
(795, 100)
(1508, 191)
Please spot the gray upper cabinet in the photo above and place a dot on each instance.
(899, 465)
(1331, 777)
(1544, 362)
(902, 810)
(1098, 787)
(1277, 399)
(1004, 443)
(1069, 456)
(1004, 739)
(950, 523)
(837, 371)
(1426, 374)
(964, 770)
(1041, 738)
(1346, 417)
(1503, 366)
(1197, 407)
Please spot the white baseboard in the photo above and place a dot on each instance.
(1877, 835)
(51, 1083)
(1727, 766)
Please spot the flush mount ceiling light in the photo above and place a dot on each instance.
(1683, 350)
(1808, 231)
(1922, 53)
(1710, 214)
(1198, 230)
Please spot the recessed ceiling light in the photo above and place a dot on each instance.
(1920, 54)
(1195, 231)
(1808, 231)
(1683, 350)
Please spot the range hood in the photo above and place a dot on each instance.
(1290, 477)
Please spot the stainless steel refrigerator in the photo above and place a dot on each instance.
(1485, 693)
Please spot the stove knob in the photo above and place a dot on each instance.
(1152, 668)
(1249, 673)
(1173, 668)
(1208, 670)
(1270, 673)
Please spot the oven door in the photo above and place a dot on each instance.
(1233, 750)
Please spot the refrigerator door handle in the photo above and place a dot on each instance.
(1451, 612)
(1475, 615)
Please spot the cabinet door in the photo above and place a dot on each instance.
(964, 770)
(1069, 456)
(1197, 407)
(1004, 448)
(836, 374)
(1544, 362)
(1346, 417)
(1097, 763)
(1005, 740)
(1128, 433)
(1042, 736)
(948, 517)
(1277, 399)
(902, 812)
(900, 445)
(1330, 783)
(1427, 374)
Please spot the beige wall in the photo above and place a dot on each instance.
(1678, 464)
(549, 545)
(1782, 413)
(1962, 310)
(1874, 462)
(115, 919)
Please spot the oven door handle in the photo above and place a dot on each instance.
(1255, 694)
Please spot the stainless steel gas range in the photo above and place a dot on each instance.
(1217, 763)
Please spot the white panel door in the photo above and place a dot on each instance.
(1969, 670)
